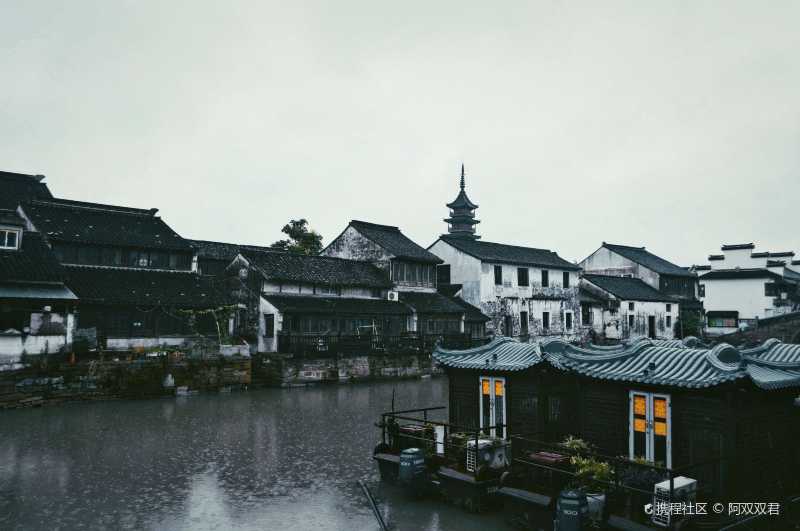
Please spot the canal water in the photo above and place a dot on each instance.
(268, 459)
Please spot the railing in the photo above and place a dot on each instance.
(445, 444)
(332, 345)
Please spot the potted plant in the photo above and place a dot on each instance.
(640, 476)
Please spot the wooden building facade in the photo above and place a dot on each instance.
(725, 417)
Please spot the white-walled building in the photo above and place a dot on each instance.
(741, 285)
(637, 262)
(525, 292)
(625, 307)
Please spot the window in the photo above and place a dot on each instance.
(669, 322)
(568, 321)
(630, 306)
(498, 275)
(586, 314)
(553, 408)
(269, 325)
(443, 274)
(565, 282)
(631, 321)
(522, 276)
(9, 239)
(159, 260)
(770, 289)
(493, 405)
(545, 320)
(545, 278)
(650, 432)
(669, 308)
(523, 323)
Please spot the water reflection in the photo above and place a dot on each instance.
(259, 460)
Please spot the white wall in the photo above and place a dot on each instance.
(744, 295)
(606, 262)
(355, 246)
(464, 270)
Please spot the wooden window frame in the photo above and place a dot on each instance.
(498, 275)
(650, 432)
(565, 280)
(492, 410)
(523, 277)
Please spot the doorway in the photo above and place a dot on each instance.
(651, 327)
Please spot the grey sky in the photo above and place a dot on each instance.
(674, 125)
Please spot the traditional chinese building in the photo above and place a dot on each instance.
(412, 271)
(37, 310)
(524, 291)
(726, 417)
(135, 277)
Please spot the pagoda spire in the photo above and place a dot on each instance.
(461, 222)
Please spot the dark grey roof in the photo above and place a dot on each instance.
(32, 262)
(501, 354)
(394, 242)
(719, 274)
(643, 257)
(704, 267)
(509, 254)
(96, 223)
(431, 303)
(20, 187)
(738, 246)
(716, 257)
(472, 314)
(771, 366)
(335, 305)
(782, 254)
(222, 251)
(627, 288)
(140, 287)
(284, 266)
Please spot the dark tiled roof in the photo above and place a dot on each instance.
(321, 270)
(501, 354)
(32, 262)
(395, 242)
(759, 255)
(77, 221)
(336, 305)
(788, 274)
(450, 290)
(472, 314)
(716, 257)
(718, 274)
(430, 303)
(102, 285)
(587, 296)
(462, 201)
(509, 254)
(629, 289)
(642, 256)
(795, 262)
(771, 366)
(702, 268)
(19, 187)
(222, 251)
(783, 254)
(738, 246)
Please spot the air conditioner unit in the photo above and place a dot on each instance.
(683, 490)
(491, 453)
(393, 296)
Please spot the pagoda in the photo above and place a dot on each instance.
(461, 222)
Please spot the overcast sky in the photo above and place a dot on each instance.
(673, 125)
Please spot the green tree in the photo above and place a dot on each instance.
(301, 239)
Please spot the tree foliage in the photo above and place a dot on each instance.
(301, 238)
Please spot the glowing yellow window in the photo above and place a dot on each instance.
(498, 388)
(659, 408)
(639, 425)
(661, 428)
(484, 386)
(639, 405)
